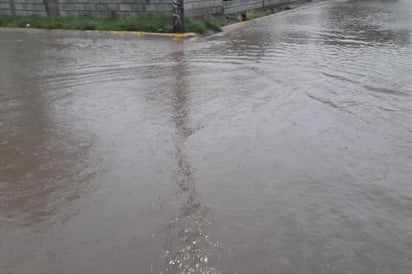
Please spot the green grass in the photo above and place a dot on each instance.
(252, 14)
(201, 25)
(148, 22)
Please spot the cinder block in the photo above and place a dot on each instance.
(158, 7)
(84, 13)
(95, 13)
(5, 12)
(125, 7)
(67, 7)
(163, 8)
(39, 8)
(123, 13)
(28, 7)
(113, 7)
(21, 13)
(269, 3)
(137, 8)
(73, 13)
(79, 7)
(90, 7)
(102, 7)
(159, 2)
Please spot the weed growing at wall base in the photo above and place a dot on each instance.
(161, 23)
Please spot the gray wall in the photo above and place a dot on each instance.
(28, 7)
(203, 7)
(235, 6)
(127, 7)
(112, 7)
(5, 8)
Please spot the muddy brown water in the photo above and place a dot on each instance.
(282, 146)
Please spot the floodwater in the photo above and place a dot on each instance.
(281, 146)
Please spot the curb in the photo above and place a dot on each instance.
(121, 34)
(139, 34)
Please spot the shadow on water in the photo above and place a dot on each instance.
(188, 246)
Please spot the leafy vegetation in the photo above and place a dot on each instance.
(148, 22)
(253, 14)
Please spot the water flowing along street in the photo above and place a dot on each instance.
(283, 145)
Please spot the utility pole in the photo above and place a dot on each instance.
(178, 14)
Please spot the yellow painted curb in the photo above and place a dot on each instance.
(175, 36)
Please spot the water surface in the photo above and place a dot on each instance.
(283, 146)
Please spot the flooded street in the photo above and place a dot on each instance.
(283, 146)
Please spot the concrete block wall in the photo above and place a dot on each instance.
(120, 8)
(203, 7)
(125, 8)
(22, 7)
(269, 3)
(29, 7)
(5, 9)
(235, 6)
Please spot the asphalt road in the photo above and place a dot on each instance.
(280, 146)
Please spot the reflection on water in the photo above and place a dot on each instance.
(283, 146)
(189, 248)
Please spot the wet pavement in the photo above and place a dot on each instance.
(282, 146)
